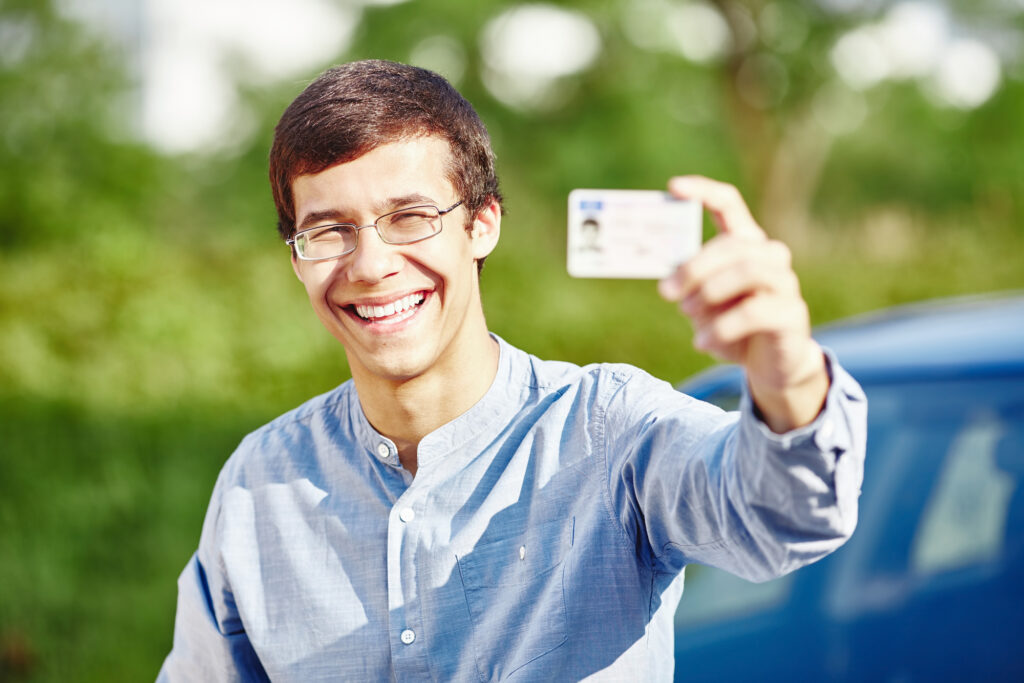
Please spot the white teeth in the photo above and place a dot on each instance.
(401, 305)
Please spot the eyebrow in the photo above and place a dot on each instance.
(340, 216)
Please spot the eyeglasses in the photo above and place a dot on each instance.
(405, 226)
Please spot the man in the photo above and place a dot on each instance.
(461, 510)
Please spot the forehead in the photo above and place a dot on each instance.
(372, 182)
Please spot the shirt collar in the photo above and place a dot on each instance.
(486, 418)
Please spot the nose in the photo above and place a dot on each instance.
(373, 260)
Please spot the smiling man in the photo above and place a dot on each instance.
(461, 510)
(408, 315)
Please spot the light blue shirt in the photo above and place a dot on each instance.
(544, 534)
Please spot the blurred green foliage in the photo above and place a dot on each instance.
(149, 316)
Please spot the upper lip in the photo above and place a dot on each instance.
(384, 299)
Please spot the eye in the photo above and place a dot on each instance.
(330, 232)
(414, 216)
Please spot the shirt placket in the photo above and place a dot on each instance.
(406, 626)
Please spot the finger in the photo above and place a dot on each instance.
(724, 254)
(768, 271)
(671, 287)
(688, 276)
(724, 201)
(754, 315)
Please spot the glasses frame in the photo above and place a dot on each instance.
(440, 216)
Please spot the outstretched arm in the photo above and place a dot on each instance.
(744, 299)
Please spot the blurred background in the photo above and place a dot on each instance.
(149, 316)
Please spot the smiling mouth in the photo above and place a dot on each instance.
(390, 313)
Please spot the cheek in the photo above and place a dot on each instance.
(318, 278)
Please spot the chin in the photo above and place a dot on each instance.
(394, 367)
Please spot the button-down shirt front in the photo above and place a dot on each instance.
(544, 534)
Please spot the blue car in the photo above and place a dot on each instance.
(931, 585)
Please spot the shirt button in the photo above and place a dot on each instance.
(383, 451)
(407, 515)
(408, 635)
(827, 429)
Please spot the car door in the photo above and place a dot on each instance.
(936, 595)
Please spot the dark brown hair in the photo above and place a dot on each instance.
(353, 108)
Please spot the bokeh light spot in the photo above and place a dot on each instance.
(967, 76)
(441, 54)
(528, 48)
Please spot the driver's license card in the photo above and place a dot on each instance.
(642, 234)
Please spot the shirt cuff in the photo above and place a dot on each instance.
(829, 431)
(830, 449)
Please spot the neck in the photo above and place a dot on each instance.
(408, 409)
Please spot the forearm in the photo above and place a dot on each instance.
(700, 485)
(796, 492)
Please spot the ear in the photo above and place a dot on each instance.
(486, 229)
(295, 267)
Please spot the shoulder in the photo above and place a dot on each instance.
(554, 375)
(327, 403)
(284, 441)
(605, 385)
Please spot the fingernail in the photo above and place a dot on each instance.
(700, 340)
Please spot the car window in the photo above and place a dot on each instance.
(943, 489)
(965, 518)
(726, 399)
(714, 595)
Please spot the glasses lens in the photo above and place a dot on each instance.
(410, 225)
(328, 242)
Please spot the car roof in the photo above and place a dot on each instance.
(943, 338)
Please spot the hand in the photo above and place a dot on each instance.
(744, 299)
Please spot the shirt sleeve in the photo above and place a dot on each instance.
(691, 483)
(210, 642)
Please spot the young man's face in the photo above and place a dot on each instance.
(432, 285)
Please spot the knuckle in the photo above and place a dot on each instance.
(792, 284)
(732, 329)
(781, 252)
(713, 333)
(712, 291)
(744, 274)
(684, 272)
(749, 311)
(731, 194)
(803, 315)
